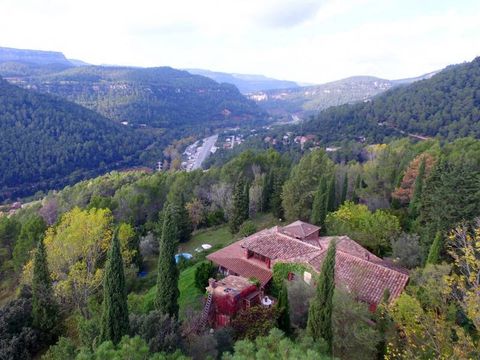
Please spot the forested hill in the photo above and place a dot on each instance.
(47, 142)
(159, 97)
(310, 99)
(246, 83)
(446, 105)
(37, 57)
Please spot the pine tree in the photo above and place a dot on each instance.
(114, 323)
(44, 306)
(319, 325)
(331, 195)
(283, 306)
(319, 207)
(240, 206)
(435, 249)
(417, 191)
(166, 300)
(344, 189)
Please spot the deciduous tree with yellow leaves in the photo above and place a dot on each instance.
(76, 250)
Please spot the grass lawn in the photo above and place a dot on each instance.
(190, 296)
(221, 236)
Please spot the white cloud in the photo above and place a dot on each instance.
(304, 40)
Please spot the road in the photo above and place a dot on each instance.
(204, 152)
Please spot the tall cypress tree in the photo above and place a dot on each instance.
(331, 195)
(319, 325)
(319, 207)
(240, 205)
(114, 323)
(276, 197)
(358, 184)
(44, 306)
(184, 224)
(417, 191)
(344, 189)
(267, 190)
(384, 322)
(166, 300)
(435, 249)
(283, 306)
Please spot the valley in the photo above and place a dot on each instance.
(151, 213)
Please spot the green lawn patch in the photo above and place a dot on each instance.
(190, 296)
(219, 236)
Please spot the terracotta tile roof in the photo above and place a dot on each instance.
(275, 245)
(299, 229)
(233, 258)
(365, 279)
(361, 272)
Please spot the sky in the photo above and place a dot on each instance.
(311, 41)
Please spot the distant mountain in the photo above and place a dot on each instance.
(245, 83)
(48, 142)
(311, 99)
(414, 79)
(77, 62)
(159, 97)
(308, 100)
(446, 105)
(37, 57)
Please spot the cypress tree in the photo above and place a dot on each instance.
(331, 195)
(319, 324)
(383, 323)
(44, 306)
(344, 189)
(267, 190)
(184, 224)
(246, 202)
(417, 191)
(358, 184)
(114, 323)
(435, 249)
(166, 300)
(240, 206)
(276, 197)
(319, 207)
(283, 306)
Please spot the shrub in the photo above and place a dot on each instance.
(254, 321)
(247, 228)
(203, 272)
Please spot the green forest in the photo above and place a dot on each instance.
(47, 142)
(445, 106)
(89, 272)
(160, 97)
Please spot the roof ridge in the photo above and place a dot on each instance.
(299, 241)
(371, 262)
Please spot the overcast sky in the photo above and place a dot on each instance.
(303, 40)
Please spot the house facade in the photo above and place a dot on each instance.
(359, 271)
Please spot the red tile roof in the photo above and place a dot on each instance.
(357, 269)
(233, 258)
(299, 229)
(365, 279)
(275, 245)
